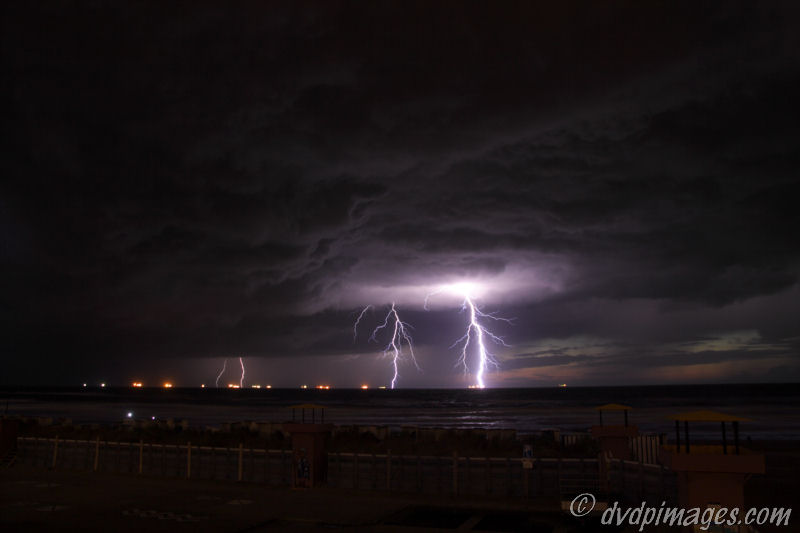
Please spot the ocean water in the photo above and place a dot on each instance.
(774, 409)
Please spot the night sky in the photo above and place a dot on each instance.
(185, 182)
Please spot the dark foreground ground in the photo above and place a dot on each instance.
(40, 500)
(34, 499)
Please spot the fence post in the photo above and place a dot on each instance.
(188, 460)
(97, 454)
(558, 477)
(401, 478)
(467, 478)
(510, 472)
(252, 464)
(487, 476)
(388, 470)
(141, 455)
(55, 452)
(526, 481)
(440, 474)
(241, 451)
(419, 473)
(355, 470)
(374, 473)
(286, 478)
(539, 475)
(641, 480)
(455, 473)
(266, 465)
(213, 463)
(583, 473)
(339, 478)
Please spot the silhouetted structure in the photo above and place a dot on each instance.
(710, 474)
(309, 439)
(615, 439)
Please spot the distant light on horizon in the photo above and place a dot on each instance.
(303, 386)
(167, 385)
(130, 414)
(203, 386)
(137, 384)
(365, 387)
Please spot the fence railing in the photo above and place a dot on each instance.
(459, 475)
(645, 448)
(571, 439)
(272, 467)
(633, 481)
(549, 478)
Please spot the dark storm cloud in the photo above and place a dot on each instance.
(198, 181)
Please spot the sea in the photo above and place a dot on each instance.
(773, 410)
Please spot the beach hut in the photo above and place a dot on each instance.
(310, 435)
(710, 474)
(614, 439)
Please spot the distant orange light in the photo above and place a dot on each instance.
(303, 386)
(233, 386)
(323, 387)
(203, 386)
(269, 386)
(364, 387)
(167, 385)
(137, 384)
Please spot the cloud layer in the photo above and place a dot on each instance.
(191, 182)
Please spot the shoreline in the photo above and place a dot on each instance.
(350, 437)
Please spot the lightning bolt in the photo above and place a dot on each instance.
(241, 379)
(399, 336)
(360, 316)
(224, 364)
(476, 332)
